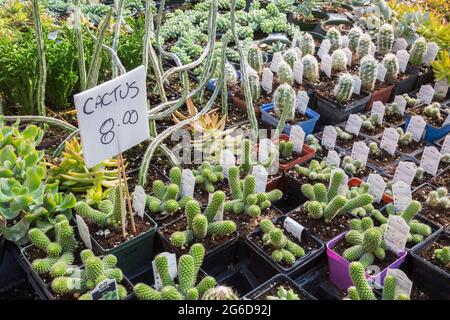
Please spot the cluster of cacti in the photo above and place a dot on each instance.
(390, 62)
(417, 52)
(315, 171)
(329, 204)
(369, 122)
(353, 38)
(433, 111)
(392, 110)
(385, 38)
(283, 294)
(313, 143)
(443, 255)
(368, 73)
(284, 102)
(187, 287)
(334, 35)
(246, 162)
(199, 225)
(410, 102)
(255, 59)
(405, 138)
(356, 191)
(284, 249)
(344, 88)
(220, 293)
(439, 198)
(419, 176)
(244, 196)
(307, 45)
(363, 46)
(343, 135)
(338, 60)
(352, 166)
(374, 150)
(207, 175)
(285, 75)
(310, 68)
(286, 148)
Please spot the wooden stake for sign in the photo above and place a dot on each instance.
(122, 207)
(130, 207)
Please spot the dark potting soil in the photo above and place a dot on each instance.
(284, 160)
(325, 231)
(273, 289)
(419, 111)
(297, 118)
(265, 97)
(23, 291)
(153, 94)
(307, 244)
(410, 148)
(421, 194)
(428, 254)
(153, 175)
(202, 196)
(209, 242)
(115, 238)
(345, 144)
(443, 179)
(344, 28)
(376, 130)
(246, 224)
(384, 160)
(382, 264)
(165, 219)
(334, 9)
(393, 120)
(436, 214)
(298, 18)
(417, 294)
(52, 138)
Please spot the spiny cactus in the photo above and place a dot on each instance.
(310, 68)
(220, 293)
(353, 36)
(338, 61)
(368, 73)
(410, 102)
(285, 74)
(392, 69)
(443, 255)
(405, 138)
(385, 38)
(370, 122)
(254, 84)
(307, 45)
(207, 175)
(313, 143)
(246, 162)
(417, 53)
(230, 76)
(392, 110)
(290, 56)
(343, 135)
(363, 46)
(319, 171)
(344, 88)
(286, 148)
(433, 111)
(352, 166)
(365, 246)
(374, 150)
(255, 59)
(358, 275)
(439, 198)
(283, 100)
(283, 294)
(334, 35)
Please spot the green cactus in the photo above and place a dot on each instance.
(220, 293)
(230, 75)
(207, 175)
(285, 74)
(290, 56)
(310, 68)
(411, 210)
(353, 36)
(368, 73)
(283, 100)
(363, 46)
(307, 45)
(286, 148)
(385, 38)
(254, 84)
(358, 275)
(186, 275)
(344, 88)
(283, 294)
(438, 198)
(338, 61)
(443, 255)
(417, 52)
(145, 292)
(392, 69)
(255, 59)
(335, 38)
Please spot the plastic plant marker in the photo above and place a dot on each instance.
(399, 44)
(426, 94)
(402, 195)
(349, 55)
(356, 84)
(297, 136)
(139, 199)
(325, 64)
(329, 137)
(345, 41)
(446, 145)
(372, 48)
(405, 172)
(267, 80)
(333, 158)
(403, 58)
(298, 71)
(173, 269)
(324, 48)
(389, 141)
(378, 109)
(396, 233)
(276, 60)
(430, 55)
(294, 228)
(83, 231)
(381, 72)
(353, 124)
(416, 126)
(402, 283)
(187, 183)
(227, 160)
(360, 151)
(377, 185)
(441, 87)
(401, 102)
(260, 174)
(301, 101)
(430, 160)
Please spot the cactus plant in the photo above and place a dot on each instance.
(392, 69)
(230, 76)
(405, 138)
(220, 293)
(439, 198)
(365, 246)
(433, 111)
(353, 36)
(385, 38)
(352, 166)
(368, 73)
(313, 143)
(283, 294)
(334, 35)
(284, 102)
(443, 255)
(310, 68)
(338, 60)
(344, 88)
(290, 56)
(392, 110)
(285, 74)
(246, 162)
(307, 45)
(319, 171)
(286, 148)
(254, 84)
(255, 59)
(207, 175)
(363, 46)
(417, 52)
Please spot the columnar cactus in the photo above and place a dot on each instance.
(335, 38)
(254, 84)
(443, 255)
(365, 246)
(391, 63)
(290, 56)
(284, 101)
(285, 74)
(255, 59)
(353, 38)
(307, 45)
(417, 53)
(230, 76)
(338, 60)
(358, 275)
(368, 73)
(363, 46)
(385, 38)
(344, 88)
(310, 68)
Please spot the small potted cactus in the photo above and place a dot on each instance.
(342, 25)
(315, 171)
(380, 159)
(355, 168)
(280, 287)
(307, 17)
(392, 115)
(288, 158)
(435, 203)
(406, 145)
(416, 61)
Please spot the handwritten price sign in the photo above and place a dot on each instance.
(112, 117)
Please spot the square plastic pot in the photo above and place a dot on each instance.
(382, 95)
(338, 266)
(424, 78)
(432, 133)
(435, 280)
(356, 182)
(406, 85)
(309, 26)
(292, 196)
(334, 113)
(11, 271)
(307, 125)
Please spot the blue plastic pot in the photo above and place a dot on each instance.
(307, 126)
(431, 133)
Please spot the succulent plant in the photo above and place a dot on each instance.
(231, 77)
(369, 122)
(220, 293)
(392, 69)
(385, 38)
(417, 52)
(363, 46)
(334, 35)
(353, 36)
(316, 171)
(344, 88)
(255, 59)
(284, 102)
(313, 143)
(410, 102)
(290, 56)
(374, 149)
(246, 162)
(405, 138)
(283, 294)
(310, 68)
(438, 198)
(343, 135)
(433, 111)
(286, 148)
(307, 45)
(443, 255)
(285, 74)
(368, 73)
(392, 110)
(338, 61)
(254, 84)
(352, 166)
(207, 175)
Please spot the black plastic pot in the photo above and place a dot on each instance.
(309, 26)
(333, 22)
(292, 196)
(424, 78)
(275, 282)
(332, 112)
(11, 271)
(429, 276)
(405, 85)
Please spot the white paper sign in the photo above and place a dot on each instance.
(53, 35)
(377, 185)
(267, 80)
(389, 141)
(401, 102)
(360, 151)
(301, 101)
(381, 72)
(298, 71)
(430, 160)
(396, 234)
(349, 55)
(173, 270)
(372, 48)
(187, 183)
(227, 160)
(329, 137)
(112, 117)
(446, 145)
(426, 94)
(378, 109)
(416, 126)
(345, 41)
(265, 147)
(294, 228)
(299, 53)
(402, 283)
(399, 44)
(353, 124)
(356, 85)
(403, 58)
(139, 200)
(297, 136)
(333, 159)
(83, 231)
(276, 60)
(405, 172)
(430, 55)
(324, 48)
(441, 87)
(401, 193)
(260, 174)
(325, 64)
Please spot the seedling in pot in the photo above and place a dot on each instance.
(439, 199)
(284, 294)
(379, 157)
(352, 166)
(370, 125)
(316, 171)
(443, 256)
(314, 143)
(392, 114)
(406, 143)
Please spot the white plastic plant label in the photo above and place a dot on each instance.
(227, 160)
(260, 174)
(83, 231)
(112, 117)
(426, 94)
(299, 53)
(378, 109)
(405, 172)
(329, 137)
(389, 141)
(297, 136)
(441, 87)
(53, 35)
(105, 290)
(343, 187)
(377, 185)
(301, 101)
(401, 102)
(267, 80)
(349, 55)
(372, 48)
(401, 193)
(294, 228)
(325, 64)
(333, 158)
(416, 126)
(173, 269)
(298, 71)
(139, 200)
(396, 234)
(446, 145)
(402, 283)
(430, 160)
(219, 214)
(265, 147)
(430, 55)
(356, 85)
(403, 58)
(381, 72)
(276, 60)
(345, 42)
(187, 183)
(353, 124)
(324, 48)
(399, 44)
(360, 151)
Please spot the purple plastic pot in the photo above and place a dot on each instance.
(338, 266)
